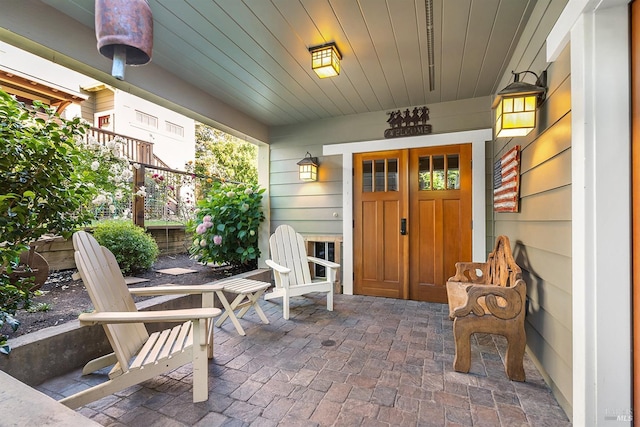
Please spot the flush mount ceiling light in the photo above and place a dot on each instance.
(325, 60)
(516, 105)
(308, 168)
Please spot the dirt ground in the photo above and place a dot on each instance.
(66, 298)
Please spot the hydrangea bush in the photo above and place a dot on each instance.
(226, 226)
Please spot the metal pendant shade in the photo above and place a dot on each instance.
(124, 29)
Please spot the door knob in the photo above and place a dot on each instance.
(403, 226)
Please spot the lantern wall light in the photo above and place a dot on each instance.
(308, 168)
(516, 105)
(325, 60)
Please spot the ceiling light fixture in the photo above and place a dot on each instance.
(325, 60)
(516, 105)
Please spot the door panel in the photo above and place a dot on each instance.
(431, 189)
(380, 201)
(440, 206)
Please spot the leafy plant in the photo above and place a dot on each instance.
(41, 306)
(43, 176)
(134, 249)
(225, 157)
(226, 230)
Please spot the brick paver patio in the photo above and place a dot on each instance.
(371, 362)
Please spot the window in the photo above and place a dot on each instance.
(104, 121)
(380, 175)
(146, 119)
(439, 172)
(323, 250)
(175, 129)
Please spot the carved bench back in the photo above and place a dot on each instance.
(501, 269)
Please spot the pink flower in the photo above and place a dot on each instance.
(201, 228)
(217, 240)
(207, 218)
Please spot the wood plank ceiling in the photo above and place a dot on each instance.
(253, 54)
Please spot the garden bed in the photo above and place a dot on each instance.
(64, 298)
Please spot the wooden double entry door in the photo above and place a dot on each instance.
(412, 220)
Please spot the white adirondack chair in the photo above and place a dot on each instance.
(290, 264)
(138, 356)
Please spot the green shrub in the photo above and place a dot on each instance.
(134, 249)
(226, 230)
(43, 176)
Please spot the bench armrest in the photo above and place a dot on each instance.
(510, 306)
(468, 272)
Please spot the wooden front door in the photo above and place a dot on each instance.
(381, 203)
(412, 220)
(440, 194)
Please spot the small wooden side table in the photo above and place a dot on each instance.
(248, 294)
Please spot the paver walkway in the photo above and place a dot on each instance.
(371, 362)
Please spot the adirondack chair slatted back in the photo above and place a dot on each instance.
(108, 292)
(288, 249)
(501, 267)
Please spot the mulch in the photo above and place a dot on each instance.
(63, 298)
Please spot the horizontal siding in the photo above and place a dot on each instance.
(553, 366)
(553, 236)
(104, 100)
(554, 173)
(317, 214)
(319, 201)
(551, 205)
(555, 334)
(541, 231)
(535, 262)
(548, 298)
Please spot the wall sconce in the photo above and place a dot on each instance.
(325, 60)
(516, 105)
(308, 168)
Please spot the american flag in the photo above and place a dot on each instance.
(506, 181)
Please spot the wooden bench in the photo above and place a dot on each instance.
(489, 297)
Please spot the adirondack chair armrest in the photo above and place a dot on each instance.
(468, 272)
(148, 316)
(499, 301)
(176, 289)
(323, 262)
(277, 267)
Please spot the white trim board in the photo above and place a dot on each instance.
(477, 138)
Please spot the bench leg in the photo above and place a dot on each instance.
(515, 355)
(462, 337)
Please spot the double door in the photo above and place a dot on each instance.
(412, 220)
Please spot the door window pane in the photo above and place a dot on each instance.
(438, 173)
(367, 176)
(392, 175)
(453, 172)
(380, 175)
(424, 173)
